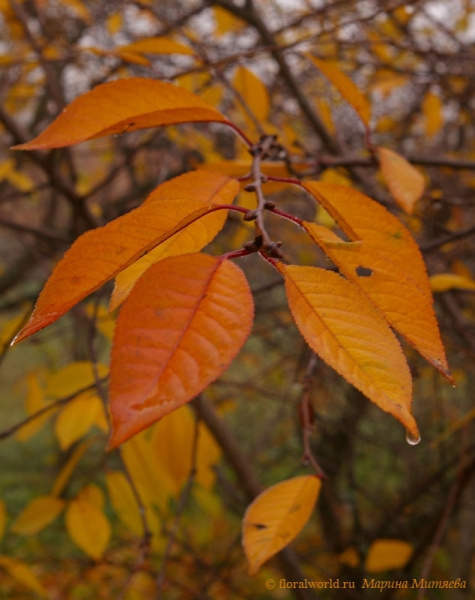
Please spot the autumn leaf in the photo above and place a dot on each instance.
(386, 555)
(100, 254)
(172, 446)
(254, 93)
(191, 239)
(77, 418)
(156, 45)
(183, 323)
(87, 526)
(123, 501)
(341, 324)
(345, 86)
(38, 515)
(23, 574)
(276, 517)
(65, 474)
(432, 108)
(120, 106)
(442, 282)
(404, 181)
(388, 266)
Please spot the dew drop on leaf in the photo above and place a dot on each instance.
(410, 439)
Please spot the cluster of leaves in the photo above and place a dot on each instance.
(185, 315)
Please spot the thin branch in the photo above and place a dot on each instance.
(14, 428)
(183, 501)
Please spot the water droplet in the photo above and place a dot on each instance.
(410, 439)
(454, 386)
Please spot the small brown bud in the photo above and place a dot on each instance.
(251, 215)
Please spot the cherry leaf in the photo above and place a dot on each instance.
(398, 283)
(100, 254)
(342, 325)
(181, 326)
(346, 87)
(120, 106)
(276, 517)
(404, 181)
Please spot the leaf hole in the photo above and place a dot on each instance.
(363, 272)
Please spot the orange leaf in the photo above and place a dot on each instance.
(276, 517)
(346, 87)
(191, 239)
(156, 45)
(398, 283)
(183, 323)
(404, 182)
(120, 106)
(100, 254)
(343, 327)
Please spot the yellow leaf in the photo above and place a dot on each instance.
(156, 45)
(76, 418)
(225, 21)
(349, 557)
(72, 378)
(253, 92)
(399, 285)
(3, 518)
(346, 87)
(10, 328)
(386, 555)
(404, 181)
(38, 515)
(442, 282)
(23, 574)
(342, 325)
(80, 9)
(276, 517)
(114, 22)
(152, 479)
(325, 113)
(88, 527)
(123, 501)
(35, 401)
(142, 585)
(172, 443)
(66, 472)
(432, 110)
(93, 494)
